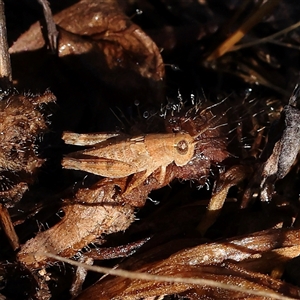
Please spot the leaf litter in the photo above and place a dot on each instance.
(228, 226)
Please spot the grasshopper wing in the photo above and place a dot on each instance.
(86, 139)
(100, 166)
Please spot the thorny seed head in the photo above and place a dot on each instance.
(21, 126)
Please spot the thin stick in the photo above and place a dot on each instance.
(5, 66)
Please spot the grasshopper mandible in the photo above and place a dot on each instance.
(114, 156)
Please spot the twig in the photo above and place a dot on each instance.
(5, 66)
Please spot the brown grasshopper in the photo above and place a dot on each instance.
(114, 156)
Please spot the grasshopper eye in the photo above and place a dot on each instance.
(182, 147)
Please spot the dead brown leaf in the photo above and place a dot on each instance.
(93, 212)
(100, 30)
(280, 152)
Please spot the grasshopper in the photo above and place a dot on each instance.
(114, 156)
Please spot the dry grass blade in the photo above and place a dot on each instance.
(267, 39)
(263, 10)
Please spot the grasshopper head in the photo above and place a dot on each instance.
(184, 147)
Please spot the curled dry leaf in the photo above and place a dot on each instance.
(107, 38)
(93, 212)
(280, 152)
(104, 61)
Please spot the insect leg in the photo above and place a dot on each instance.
(162, 175)
(139, 178)
(100, 166)
(136, 180)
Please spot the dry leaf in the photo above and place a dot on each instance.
(93, 212)
(280, 152)
(105, 36)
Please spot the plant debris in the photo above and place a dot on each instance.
(170, 157)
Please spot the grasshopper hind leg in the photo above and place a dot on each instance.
(136, 180)
(99, 166)
(141, 177)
